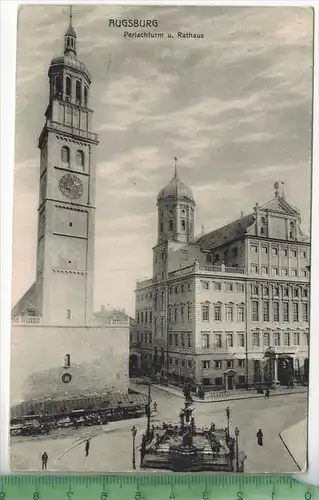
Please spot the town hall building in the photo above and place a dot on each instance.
(231, 307)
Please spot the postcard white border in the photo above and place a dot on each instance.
(7, 109)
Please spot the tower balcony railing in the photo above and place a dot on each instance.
(60, 127)
(222, 269)
(26, 320)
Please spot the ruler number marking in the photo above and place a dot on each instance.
(36, 496)
(2, 495)
(273, 496)
(171, 496)
(70, 494)
(240, 495)
(103, 495)
(137, 495)
(205, 496)
(308, 495)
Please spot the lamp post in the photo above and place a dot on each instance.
(134, 431)
(148, 411)
(227, 415)
(237, 450)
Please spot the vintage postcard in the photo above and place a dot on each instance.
(163, 170)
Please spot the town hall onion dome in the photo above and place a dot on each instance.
(176, 190)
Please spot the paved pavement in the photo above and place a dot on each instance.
(111, 445)
(296, 447)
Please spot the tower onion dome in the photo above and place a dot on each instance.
(176, 190)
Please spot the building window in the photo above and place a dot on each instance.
(274, 251)
(146, 317)
(304, 273)
(189, 286)
(162, 325)
(78, 91)
(264, 270)
(176, 339)
(294, 273)
(170, 361)
(264, 250)
(286, 338)
(241, 340)
(142, 317)
(276, 291)
(208, 258)
(189, 338)
(68, 314)
(254, 269)
(305, 315)
(189, 313)
(229, 313)
(240, 287)
(235, 252)
(241, 363)
(292, 233)
(182, 340)
(275, 271)
(189, 364)
(276, 338)
(293, 253)
(218, 365)
(175, 315)
(266, 290)
(170, 339)
(205, 340)
(79, 158)
(205, 312)
(176, 362)
(68, 87)
(85, 96)
(67, 361)
(182, 314)
(183, 224)
(206, 364)
(266, 339)
(162, 301)
(240, 314)
(205, 285)
(303, 254)
(218, 340)
(255, 310)
(284, 252)
(142, 338)
(286, 291)
(229, 340)
(219, 381)
(254, 290)
(284, 271)
(161, 227)
(305, 292)
(286, 311)
(266, 311)
(296, 311)
(182, 288)
(217, 313)
(138, 317)
(254, 248)
(170, 225)
(296, 338)
(229, 287)
(155, 325)
(230, 363)
(276, 311)
(256, 339)
(176, 289)
(65, 155)
(217, 286)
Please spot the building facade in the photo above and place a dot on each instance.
(231, 307)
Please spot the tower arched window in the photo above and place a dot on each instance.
(68, 87)
(263, 225)
(183, 224)
(78, 91)
(67, 361)
(79, 158)
(57, 86)
(85, 96)
(65, 155)
(292, 230)
(170, 225)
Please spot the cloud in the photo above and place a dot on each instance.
(234, 107)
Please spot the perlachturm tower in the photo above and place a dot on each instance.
(63, 291)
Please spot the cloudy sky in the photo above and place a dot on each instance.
(234, 107)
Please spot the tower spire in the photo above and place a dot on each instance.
(71, 16)
(70, 36)
(175, 166)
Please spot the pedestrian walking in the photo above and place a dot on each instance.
(44, 459)
(87, 447)
(267, 394)
(155, 406)
(260, 438)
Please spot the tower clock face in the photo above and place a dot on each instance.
(71, 186)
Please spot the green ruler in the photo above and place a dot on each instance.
(150, 487)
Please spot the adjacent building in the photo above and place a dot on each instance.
(230, 307)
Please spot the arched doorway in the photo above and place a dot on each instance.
(306, 369)
(133, 365)
(285, 370)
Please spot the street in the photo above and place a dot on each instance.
(111, 445)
